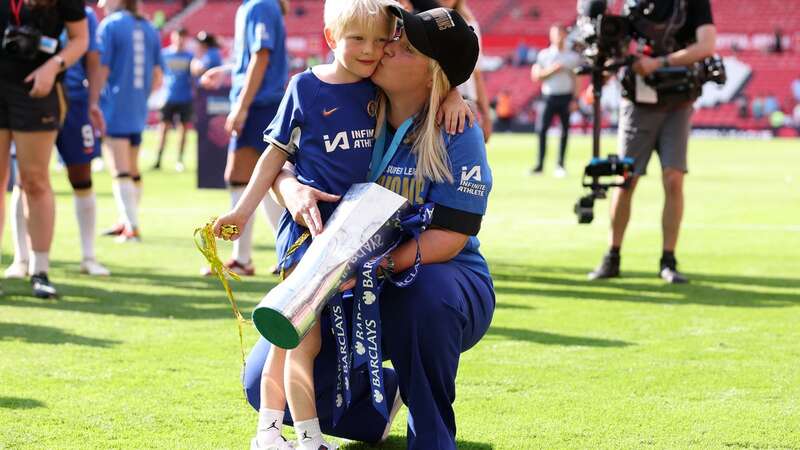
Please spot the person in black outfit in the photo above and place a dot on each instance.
(32, 108)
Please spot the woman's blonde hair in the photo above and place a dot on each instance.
(341, 15)
(433, 163)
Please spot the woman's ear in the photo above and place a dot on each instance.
(329, 39)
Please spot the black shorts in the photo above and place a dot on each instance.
(184, 111)
(21, 112)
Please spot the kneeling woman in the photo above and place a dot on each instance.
(448, 309)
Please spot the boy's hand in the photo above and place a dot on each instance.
(349, 284)
(232, 218)
(453, 113)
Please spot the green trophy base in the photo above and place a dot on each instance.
(276, 328)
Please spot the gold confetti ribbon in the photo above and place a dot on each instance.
(206, 242)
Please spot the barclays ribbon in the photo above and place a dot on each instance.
(343, 395)
(366, 335)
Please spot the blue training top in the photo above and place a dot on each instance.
(177, 75)
(327, 131)
(75, 79)
(259, 25)
(469, 192)
(131, 48)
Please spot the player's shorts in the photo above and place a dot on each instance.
(644, 128)
(76, 142)
(21, 112)
(252, 135)
(135, 139)
(183, 111)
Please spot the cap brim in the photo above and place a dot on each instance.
(414, 28)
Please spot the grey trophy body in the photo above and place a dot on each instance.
(365, 224)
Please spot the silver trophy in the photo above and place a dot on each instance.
(365, 224)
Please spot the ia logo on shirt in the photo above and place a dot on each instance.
(340, 141)
(472, 174)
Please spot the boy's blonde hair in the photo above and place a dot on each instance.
(342, 15)
(433, 162)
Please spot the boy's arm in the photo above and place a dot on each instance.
(453, 113)
(267, 169)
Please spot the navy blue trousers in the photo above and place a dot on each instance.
(426, 327)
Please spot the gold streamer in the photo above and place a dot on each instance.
(206, 242)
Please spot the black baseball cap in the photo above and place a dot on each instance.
(442, 34)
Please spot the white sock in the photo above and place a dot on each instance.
(85, 212)
(18, 227)
(137, 189)
(242, 247)
(309, 436)
(273, 211)
(40, 262)
(126, 200)
(270, 424)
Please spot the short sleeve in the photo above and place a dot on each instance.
(284, 130)
(92, 19)
(541, 58)
(472, 177)
(105, 42)
(71, 10)
(700, 13)
(260, 28)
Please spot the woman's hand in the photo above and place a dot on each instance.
(453, 113)
(43, 78)
(236, 120)
(301, 201)
(212, 78)
(235, 218)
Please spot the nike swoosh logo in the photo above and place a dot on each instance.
(327, 113)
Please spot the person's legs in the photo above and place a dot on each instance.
(19, 234)
(544, 124)
(162, 142)
(360, 422)
(426, 327)
(184, 127)
(238, 171)
(673, 145)
(33, 156)
(639, 128)
(563, 117)
(5, 157)
(118, 151)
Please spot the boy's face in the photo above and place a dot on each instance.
(360, 50)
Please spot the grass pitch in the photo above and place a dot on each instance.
(149, 358)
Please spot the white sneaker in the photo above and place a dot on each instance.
(398, 403)
(258, 443)
(560, 172)
(94, 268)
(17, 269)
(315, 443)
(179, 167)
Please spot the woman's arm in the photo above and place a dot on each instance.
(45, 75)
(252, 83)
(483, 105)
(97, 75)
(435, 246)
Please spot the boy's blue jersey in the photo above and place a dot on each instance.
(327, 131)
(469, 191)
(130, 48)
(177, 75)
(259, 25)
(75, 77)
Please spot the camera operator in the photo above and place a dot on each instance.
(32, 108)
(652, 121)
